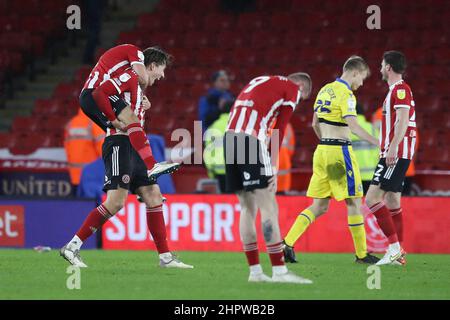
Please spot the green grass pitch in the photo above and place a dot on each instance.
(25, 274)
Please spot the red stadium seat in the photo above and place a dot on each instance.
(270, 5)
(180, 22)
(67, 91)
(282, 21)
(231, 40)
(263, 40)
(153, 21)
(245, 57)
(279, 57)
(189, 75)
(251, 22)
(218, 22)
(21, 125)
(197, 39)
(211, 57)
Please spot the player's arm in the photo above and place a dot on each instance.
(355, 128)
(348, 110)
(402, 101)
(316, 126)
(284, 115)
(402, 115)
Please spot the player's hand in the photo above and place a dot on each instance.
(146, 103)
(272, 187)
(391, 157)
(119, 125)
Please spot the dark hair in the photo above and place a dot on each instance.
(218, 74)
(158, 56)
(396, 60)
(356, 63)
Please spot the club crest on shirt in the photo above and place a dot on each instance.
(401, 94)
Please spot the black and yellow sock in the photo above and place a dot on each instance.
(300, 225)
(356, 226)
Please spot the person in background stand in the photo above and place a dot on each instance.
(213, 152)
(83, 141)
(210, 105)
(285, 160)
(367, 155)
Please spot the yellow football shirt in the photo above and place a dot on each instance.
(334, 102)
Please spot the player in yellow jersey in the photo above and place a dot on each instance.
(335, 170)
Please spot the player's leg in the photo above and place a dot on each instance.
(305, 219)
(358, 231)
(386, 179)
(347, 185)
(267, 203)
(248, 235)
(393, 203)
(91, 109)
(139, 141)
(116, 157)
(114, 202)
(320, 190)
(261, 181)
(152, 197)
(234, 144)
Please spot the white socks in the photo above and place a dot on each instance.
(395, 246)
(256, 269)
(166, 256)
(279, 269)
(75, 243)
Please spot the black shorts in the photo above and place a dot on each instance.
(123, 166)
(390, 178)
(91, 109)
(247, 163)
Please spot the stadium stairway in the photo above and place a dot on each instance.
(116, 19)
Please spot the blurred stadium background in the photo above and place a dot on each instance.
(43, 66)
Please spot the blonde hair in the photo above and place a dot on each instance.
(356, 63)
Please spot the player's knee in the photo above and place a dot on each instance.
(392, 201)
(372, 198)
(320, 208)
(114, 205)
(154, 200)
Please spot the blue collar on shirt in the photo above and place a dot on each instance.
(344, 82)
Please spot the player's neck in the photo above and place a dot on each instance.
(394, 79)
(346, 78)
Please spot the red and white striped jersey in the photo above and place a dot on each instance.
(126, 85)
(262, 101)
(113, 62)
(399, 96)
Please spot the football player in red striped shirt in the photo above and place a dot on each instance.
(118, 113)
(397, 146)
(125, 168)
(250, 171)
